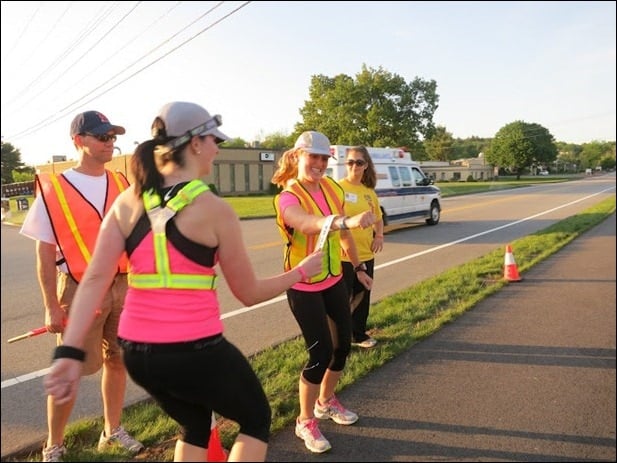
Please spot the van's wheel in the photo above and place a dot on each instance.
(435, 214)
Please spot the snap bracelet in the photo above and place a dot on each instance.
(303, 277)
(323, 235)
(68, 352)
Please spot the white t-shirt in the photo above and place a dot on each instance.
(37, 224)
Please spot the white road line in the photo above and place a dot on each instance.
(37, 374)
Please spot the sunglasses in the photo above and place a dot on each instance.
(357, 162)
(102, 138)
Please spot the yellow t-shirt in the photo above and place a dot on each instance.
(358, 199)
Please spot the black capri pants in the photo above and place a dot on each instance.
(325, 321)
(189, 380)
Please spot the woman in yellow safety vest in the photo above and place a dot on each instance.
(309, 213)
(175, 231)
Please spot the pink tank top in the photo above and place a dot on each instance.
(163, 315)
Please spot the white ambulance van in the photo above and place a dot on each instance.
(405, 193)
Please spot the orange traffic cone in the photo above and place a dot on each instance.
(216, 451)
(510, 270)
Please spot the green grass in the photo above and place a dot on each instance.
(399, 321)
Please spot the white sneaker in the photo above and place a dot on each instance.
(122, 438)
(366, 344)
(309, 432)
(54, 453)
(333, 410)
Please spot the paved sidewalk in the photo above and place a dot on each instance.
(527, 375)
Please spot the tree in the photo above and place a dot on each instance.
(11, 160)
(568, 157)
(607, 162)
(376, 108)
(592, 154)
(235, 143)
(545, 150)
(277, 141)
(469, 147)
(439, 146)
(521, 145)
(25, 174)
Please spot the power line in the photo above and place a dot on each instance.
(42, 41)
(124, 70)
(114, 52)
(64, 111)
(23, 32)
(88, 31)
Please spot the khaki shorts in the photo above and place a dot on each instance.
(102, 338)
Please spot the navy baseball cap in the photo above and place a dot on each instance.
(95, 123)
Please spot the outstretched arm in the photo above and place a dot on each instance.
(238, 270)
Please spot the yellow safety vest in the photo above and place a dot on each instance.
(164, 278)
(299, 245)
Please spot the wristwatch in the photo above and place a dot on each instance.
(341, 223)
(360, 268)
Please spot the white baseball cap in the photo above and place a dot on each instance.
(314, 143)
(185, 120)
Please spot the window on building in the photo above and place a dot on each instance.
(247, 178)
(260, 177)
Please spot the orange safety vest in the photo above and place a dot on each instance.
(76, 222)
(298, 245)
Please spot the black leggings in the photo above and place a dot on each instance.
(359, 315)
(325, 321)
(190, 380)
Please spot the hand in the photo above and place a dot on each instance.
(365, 279)
(363, 220)
(377, 244)
(312, 264)
(62, 381)
(55, 320)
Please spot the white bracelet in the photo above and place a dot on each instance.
(323, 235)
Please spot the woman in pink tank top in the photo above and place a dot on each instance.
(175, 231)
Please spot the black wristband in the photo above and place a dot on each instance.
(360, 268)
(68, 352)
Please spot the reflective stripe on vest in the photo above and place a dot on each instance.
(75, 221)
(159, 216)
(299, 245)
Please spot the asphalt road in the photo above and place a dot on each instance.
(470, 227)
(526, 375)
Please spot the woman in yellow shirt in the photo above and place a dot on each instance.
(360, 196)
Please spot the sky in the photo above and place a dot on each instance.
(550, 63)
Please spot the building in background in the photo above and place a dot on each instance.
(247, 171)
(236, 171)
